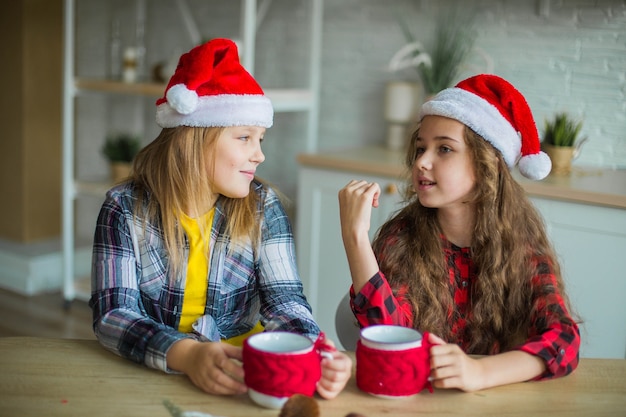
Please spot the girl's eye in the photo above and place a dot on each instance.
(419, 151)
(445, 149)
(244, 138)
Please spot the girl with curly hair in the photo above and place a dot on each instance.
(468, 258)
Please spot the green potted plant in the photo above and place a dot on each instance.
(120, 149)
(453, 41)
(436, 69)
(562, 142)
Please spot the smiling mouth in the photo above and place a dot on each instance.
(427, 183)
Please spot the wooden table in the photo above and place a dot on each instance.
(62, 377)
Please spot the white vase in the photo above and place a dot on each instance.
(402, 100)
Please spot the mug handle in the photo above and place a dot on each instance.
(324, 349)
(326, 354)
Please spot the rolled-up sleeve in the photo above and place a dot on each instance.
(554, 335)
(377, 304)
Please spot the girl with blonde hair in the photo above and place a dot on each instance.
(194, 253)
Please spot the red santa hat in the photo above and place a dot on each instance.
(210, 88)
(498, 112)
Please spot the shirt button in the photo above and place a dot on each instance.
(464, 284)
(562, 351)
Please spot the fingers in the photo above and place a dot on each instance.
(216, 370)
(232, 369)
(335, 374)
(329, 389)
(339, 363)
(435, 340)
(219, 381)
(441, 357)
(355, 206)
(329, 343)
(231, 364)
(445, 354)
(361, 190)
(233, 352)
(447, 383)
(449, 366)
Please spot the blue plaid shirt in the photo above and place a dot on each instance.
(137, 304)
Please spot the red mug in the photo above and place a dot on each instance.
(392, 361)
(278, 365)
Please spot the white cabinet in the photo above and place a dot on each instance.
(304, 99)
(321, 257)
(591, 244)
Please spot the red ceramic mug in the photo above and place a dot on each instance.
(278, 365)
(392, 361)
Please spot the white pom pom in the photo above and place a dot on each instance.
(535, 167)
(182, 99)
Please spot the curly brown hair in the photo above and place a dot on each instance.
(508, 236)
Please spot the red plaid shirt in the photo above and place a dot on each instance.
(553, 334)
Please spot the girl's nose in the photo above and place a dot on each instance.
(258, 156)
(424, 161)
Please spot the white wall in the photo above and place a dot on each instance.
(572, 60)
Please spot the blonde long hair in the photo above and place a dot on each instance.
(170, 176)
(508, 234)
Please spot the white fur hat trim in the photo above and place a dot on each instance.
(481, 116)
(220, 110)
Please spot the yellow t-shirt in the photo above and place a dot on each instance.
(238, 340)
(194, 299)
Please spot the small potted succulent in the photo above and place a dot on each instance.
(562, 142)
(120, 149)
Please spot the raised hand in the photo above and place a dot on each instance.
(355, 211)
(356, 200)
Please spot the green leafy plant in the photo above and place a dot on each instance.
(121, 147)
(562, 131)
(453, 41)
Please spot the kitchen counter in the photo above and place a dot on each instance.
(597, 186)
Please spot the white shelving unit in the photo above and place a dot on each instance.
(284, 100)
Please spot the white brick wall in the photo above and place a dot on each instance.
(572, 60)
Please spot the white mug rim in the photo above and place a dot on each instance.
(410, 338)
(258, 342)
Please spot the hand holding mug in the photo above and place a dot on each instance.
(336, 372)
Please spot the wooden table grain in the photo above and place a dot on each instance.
(69, 377)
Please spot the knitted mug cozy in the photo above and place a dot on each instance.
(393, 373)
(284, 374)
